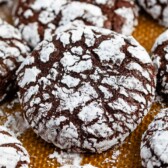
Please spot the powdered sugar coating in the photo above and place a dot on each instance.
(160, 40)
(86, 11)
(154, 145)
(160, 59)
(12, 153)
(88, 100)
(38, 20)
(158, 9)
(12, 52)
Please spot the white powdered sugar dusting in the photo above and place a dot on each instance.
(70, 62)
(41, 19)
(47, 50)
(157, 9)
(88, 88)
(69, 160)
(85, 11)
(154, 145)
(9, 32)
(70, 81)
(66, 158)
(16, 123)
(111, 50)
(128, 15)
(13, 50)
(30, 76)
(163, 37)
(11, 155)
(160, 60)
(72, 100)
(113, 160)
(141, 51)
(95, 111)
(30, 33)
(159, 144)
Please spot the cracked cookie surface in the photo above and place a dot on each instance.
(13, 50)
(38, 19)
(87, 88)
(160, 59)
(154, 145)
(158, 9)
(12, 153)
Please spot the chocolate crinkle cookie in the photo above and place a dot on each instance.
(158, 9)
(38, 19)
(154, 145)
(160, 59)
(87, 88)
(12, 153)
(13, 50)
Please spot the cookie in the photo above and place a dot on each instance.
(160, 59)
(87, 88)
(158, 9)
(154, 145)
(13, 50)
(12, 153)
(37, 19)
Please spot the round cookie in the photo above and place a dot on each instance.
(158, 9)
(39, 19)
(12, 153)
(87, 88)
(154, 145)
(13, 50)
(160, 59)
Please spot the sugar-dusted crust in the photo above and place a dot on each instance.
(38, 19)
(87, 88)
(12, 153)
(13, 50)
(158, 9)
(160, 59)
(154, 145)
